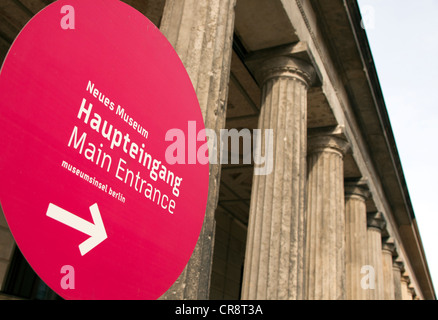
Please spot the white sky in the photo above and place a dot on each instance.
(403, 36)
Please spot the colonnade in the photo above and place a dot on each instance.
(310, 235)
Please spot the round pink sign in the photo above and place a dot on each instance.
(95, 190)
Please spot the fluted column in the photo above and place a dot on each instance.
(406, 291)
(274, 254)
(376, 224)
(388, 250)
(325, 237)
(201, 31)
(356, 252)
(398, 269)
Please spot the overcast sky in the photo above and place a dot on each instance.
(403, 38)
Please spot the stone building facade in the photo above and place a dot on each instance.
(333, 220)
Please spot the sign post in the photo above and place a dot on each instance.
(88, 91)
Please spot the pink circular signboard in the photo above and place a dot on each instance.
(98, 195)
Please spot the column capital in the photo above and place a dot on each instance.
(405, 278)
(399, 265)
(357, 188)
(412, 291)
(292, 61)
(327, 139)
(376, 221)
(388, 245)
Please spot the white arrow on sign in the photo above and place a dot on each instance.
(95, 230)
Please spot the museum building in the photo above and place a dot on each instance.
(332, 218)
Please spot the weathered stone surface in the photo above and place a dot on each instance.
(405, 287)
(325, 242)
(376, 224)
(388, 250)
(274, 255)
(398, 269)
(201, 31)
(356, 253)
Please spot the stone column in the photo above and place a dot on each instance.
(7, 245)
(201, 31)
(356, 252)
(388, 250)
(405, 282)
(325, 237)
(274, 253)
(397, 270)
(412, 292)
(376, 224)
